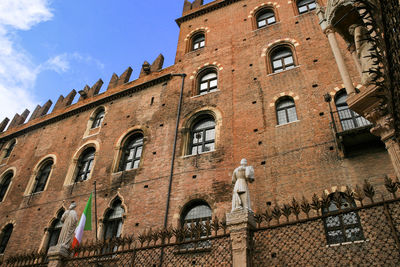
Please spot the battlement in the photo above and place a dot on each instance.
(87, 95)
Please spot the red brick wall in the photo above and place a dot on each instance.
(297, 157)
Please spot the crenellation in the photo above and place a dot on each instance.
(63, 102)
(124, 78)
(88, 91)
(19, 119)
(3, 124)
(187, 5)
(41, 111)
(157, 65)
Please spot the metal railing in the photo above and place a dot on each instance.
(344, 119)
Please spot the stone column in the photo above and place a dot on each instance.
(393, 149)
(57, 255)
(330, 33)
(344, 73)
(239, 223)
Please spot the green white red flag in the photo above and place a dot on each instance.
(85, 223)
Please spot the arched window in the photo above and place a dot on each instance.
(285, 110)
(4, 184)
(10, 148)
(5, 237)
(132, 152)
(113, 220)
(202, 135)
(198, 41)
(265, 17)
(42, 176)
(98, 119)
(208, 82)
(306, 5)
(348, 118)
(55, 230)
(85, 164)
(198, 212)
(282, 59)
(344, 227)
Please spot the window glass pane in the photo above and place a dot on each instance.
(196, 46)
(335, 237)
(209, 147)
(204, 124)
(271, 20)
(202, 43)
(198, 212)
(302, 9)
(285, 103)
(209, 76)
(136, 164)
(203, 86)
(196, 150)
(312, 6)
(332, 221)
(210, 135)
(281, 117)
(277, 64)
(128, 166)
(261, 23)
(292, 114)
(197, 137)
(288, 60)
(138, 152)
(213, 83)
(353, 234)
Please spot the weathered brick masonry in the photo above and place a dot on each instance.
(295, 159)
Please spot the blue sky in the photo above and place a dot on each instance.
(49, 47)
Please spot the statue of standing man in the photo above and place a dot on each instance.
(70, 221)
(242, 175)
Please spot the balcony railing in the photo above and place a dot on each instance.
(344, 119)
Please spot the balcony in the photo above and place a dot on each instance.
(352, 132)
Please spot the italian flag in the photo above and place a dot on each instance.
(85, 223)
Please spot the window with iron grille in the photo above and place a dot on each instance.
(55, 230)
(4, 184)
(282, 59)
(98, 119)
(113, 220)
(198, 41)
(285, 110)
(344, 227)
(348, 118)
(131, 152)
(42, 176)
(208, 82)
(5, 237)
(10, 148)
(305, 6)
(265, 17)
(202, 136)
(198, 212)
(85, 164)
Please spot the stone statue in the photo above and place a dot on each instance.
(364, 50)
(241, 196)
(70, 221)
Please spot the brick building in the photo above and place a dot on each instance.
(252, 79)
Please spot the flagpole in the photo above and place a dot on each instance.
(95, 208)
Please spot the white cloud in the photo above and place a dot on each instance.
(59, 64)
(17, 71)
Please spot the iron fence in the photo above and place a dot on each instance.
(365, 234)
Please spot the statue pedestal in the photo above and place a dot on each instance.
(239, 223)
(56, 255)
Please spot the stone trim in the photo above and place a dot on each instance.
(290, 94)
(71, 173)
(41, 162)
